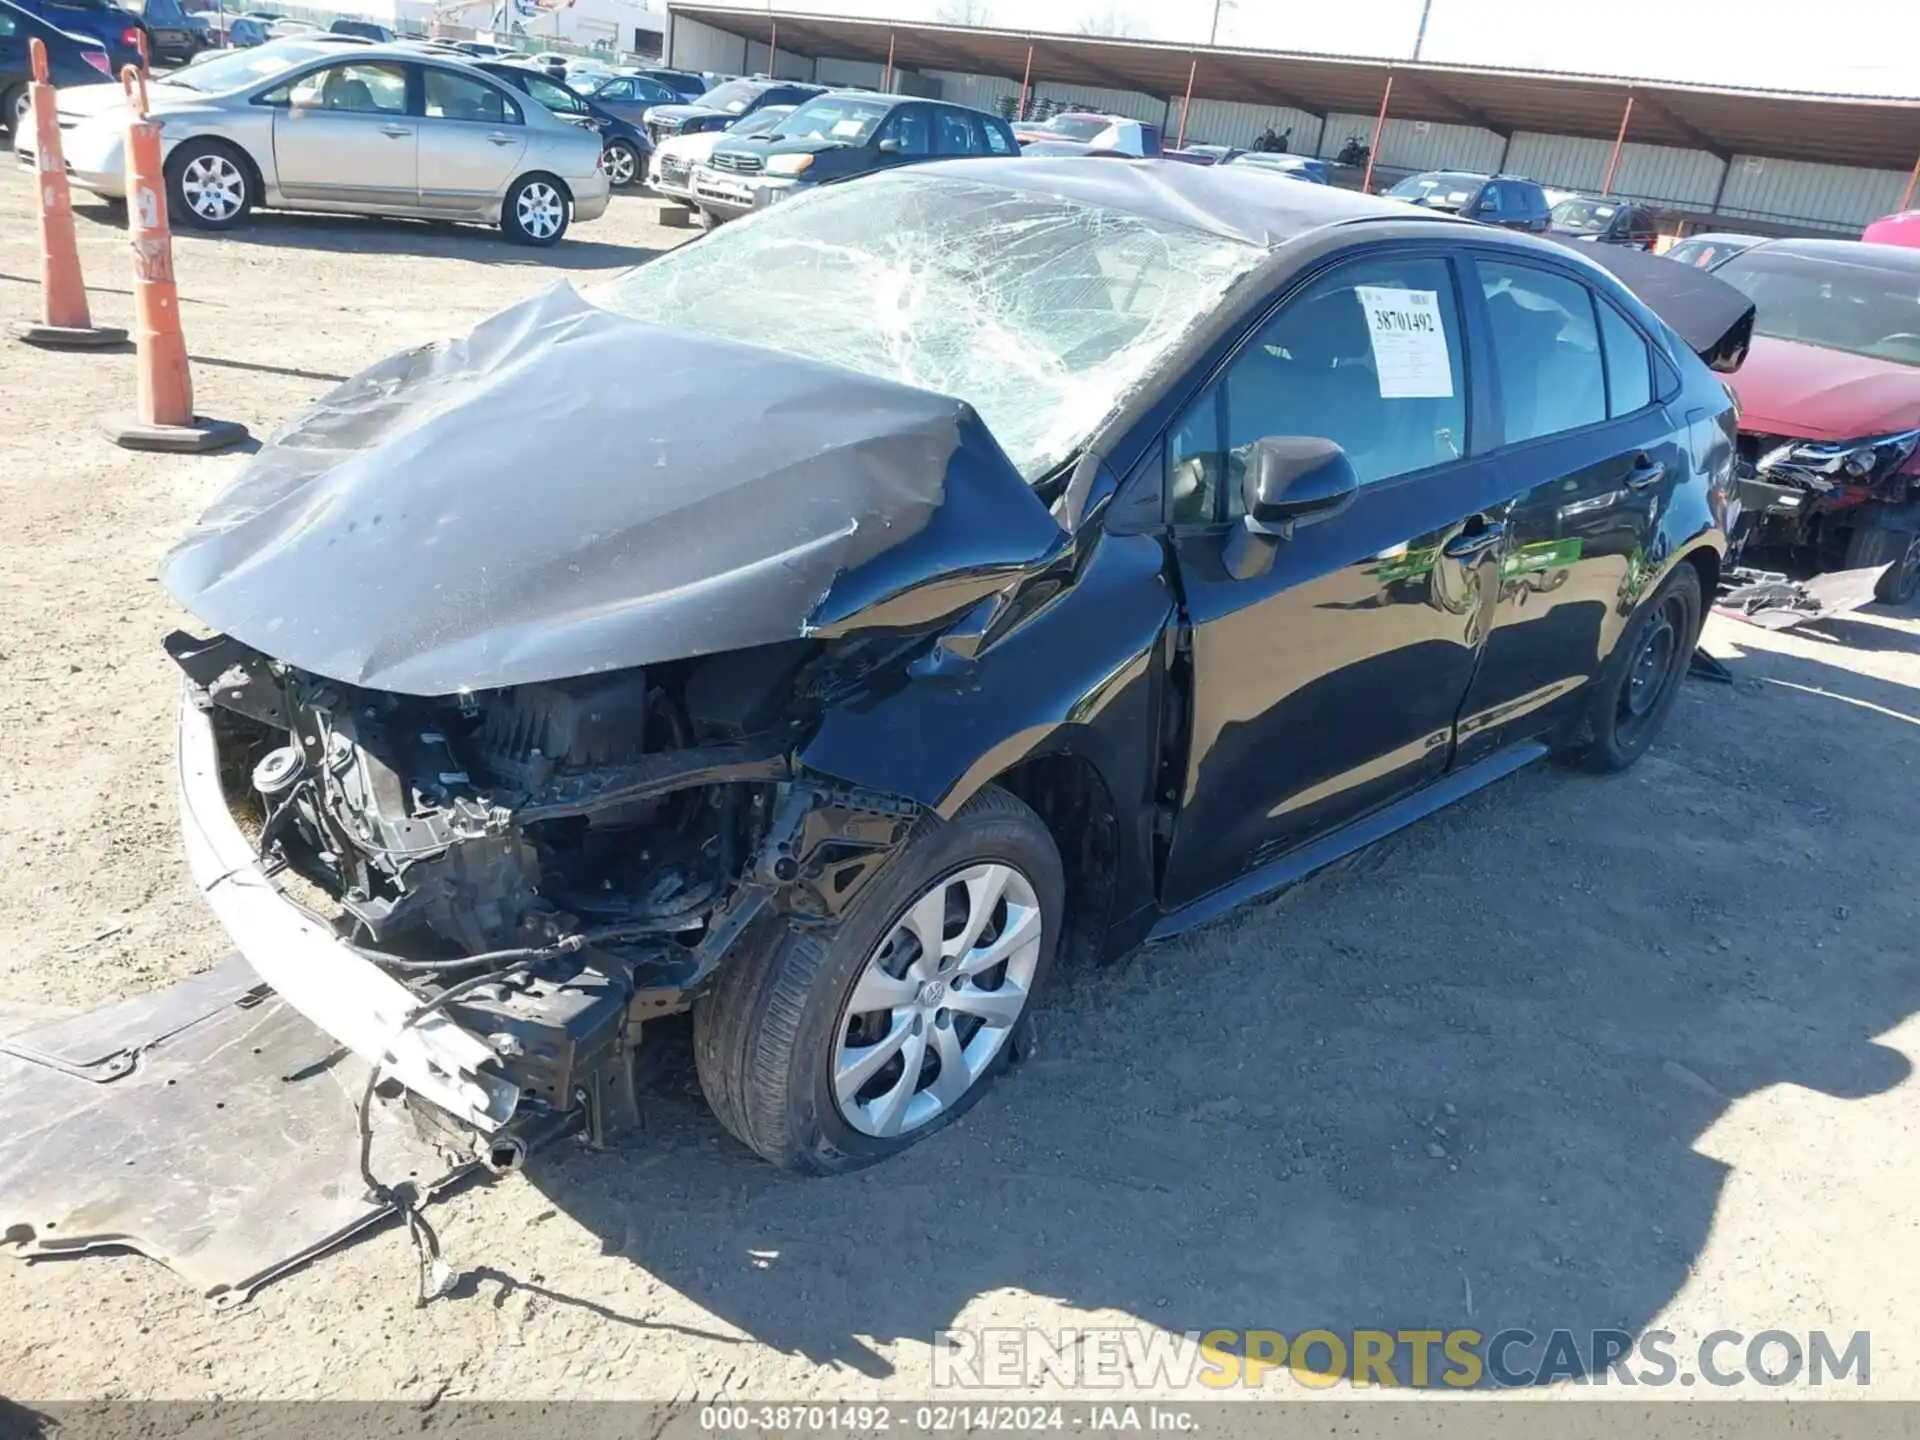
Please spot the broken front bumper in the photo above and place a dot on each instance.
(311, 968)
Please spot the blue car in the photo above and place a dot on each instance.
(71, 60)
(838, 137)
(117, 31)
(683, 83)
(724, 104)
(624, 145)
(1294, 167)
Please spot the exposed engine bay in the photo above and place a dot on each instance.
(550, 863)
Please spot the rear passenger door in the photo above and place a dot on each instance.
(471, 139)
(1591, 455)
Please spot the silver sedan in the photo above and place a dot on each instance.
(372, 129)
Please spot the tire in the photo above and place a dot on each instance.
(210, 186)
(778, 1028)
(1899, 550)
(625, 168)
(1637, 688)
(16, 110)
(537, 211)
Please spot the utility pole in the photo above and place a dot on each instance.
(1213, 36)
(1420, 36)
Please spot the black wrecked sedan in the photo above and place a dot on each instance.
(830, 624)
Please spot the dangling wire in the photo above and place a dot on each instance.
(434, 1278)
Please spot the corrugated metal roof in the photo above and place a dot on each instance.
(1871, 131)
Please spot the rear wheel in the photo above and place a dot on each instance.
(1636, 691)
(209, 186)
(536, 211)
(1898, 550)
(828, 1050)
(623, 164)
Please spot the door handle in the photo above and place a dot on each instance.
(1471, 544)
(395, 131)
(497, 138)
(1646, 471)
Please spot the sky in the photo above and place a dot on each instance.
(1867, 47)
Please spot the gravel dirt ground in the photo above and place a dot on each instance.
(1631, 1052)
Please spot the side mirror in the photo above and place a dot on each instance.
(1290, 481)
(889, 147)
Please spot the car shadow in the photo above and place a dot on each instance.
(1864, 634)
(382, 235)
(1461, 1080)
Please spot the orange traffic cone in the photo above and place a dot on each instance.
(65, 322)
(163, 418)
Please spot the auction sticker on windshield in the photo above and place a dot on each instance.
(1409, 343)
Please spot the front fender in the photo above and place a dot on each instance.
(1082, 674)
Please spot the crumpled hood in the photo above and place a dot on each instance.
(1813, 393)
(567, 491)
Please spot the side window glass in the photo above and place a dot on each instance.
(1367, 356)
(953, 133)
(356, 89)
(1629, 363)
(7, 27)
(999, 139)
(909, 126)
(1546, 350)
(1489, 201)
(460, 97)
(1196, 463)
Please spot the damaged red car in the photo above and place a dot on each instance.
(1830, 407)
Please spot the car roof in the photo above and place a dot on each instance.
(1267, 213)
(1721, 237)
(1881, 257)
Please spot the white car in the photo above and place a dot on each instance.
(670, 171)
(308, 124)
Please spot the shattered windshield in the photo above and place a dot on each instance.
(1864, 306)
(1042, 313)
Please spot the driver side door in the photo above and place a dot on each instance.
(1328, 685)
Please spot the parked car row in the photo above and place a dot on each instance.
(331, 123)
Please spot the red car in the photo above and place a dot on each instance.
(1830, 406)
(1901, 229)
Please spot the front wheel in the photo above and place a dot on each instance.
(1636, 690)
(536, 211)
(1898, 550)
(623, 164)
(209, 186)
(826, 1051)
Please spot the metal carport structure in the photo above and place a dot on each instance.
(1877, 133)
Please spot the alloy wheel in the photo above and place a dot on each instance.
(540, 210)
(622, 165)
(22, 116)
(937, 1000)
(213, 187)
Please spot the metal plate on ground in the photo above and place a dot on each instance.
(206, 1125)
